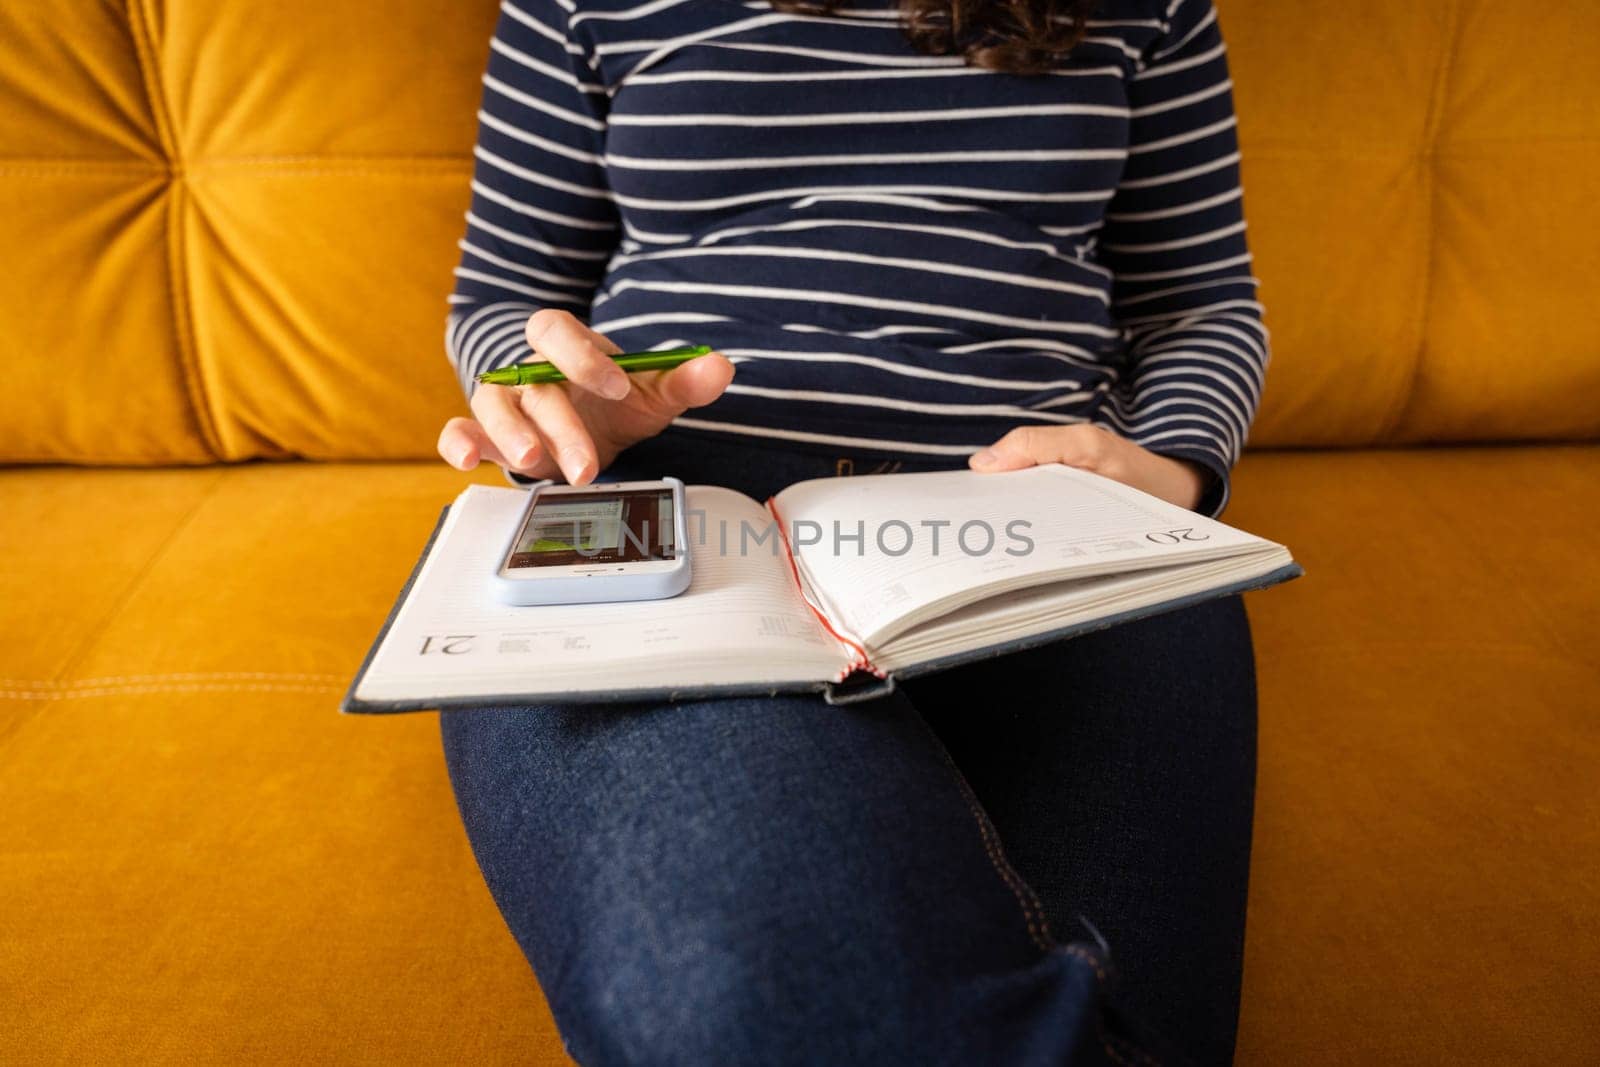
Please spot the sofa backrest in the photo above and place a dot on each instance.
(228, 229)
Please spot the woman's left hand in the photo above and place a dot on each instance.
(1093, 448)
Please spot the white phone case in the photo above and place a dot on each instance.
(598, 583)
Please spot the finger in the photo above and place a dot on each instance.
(1083, 445)
(506, 426)
(579, 352)
(460, 443)
(565, 435)
(661, 396)
(464, 443)
(690, 385)
(1022, 447)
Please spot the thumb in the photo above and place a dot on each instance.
(693, 384)
(657, 398)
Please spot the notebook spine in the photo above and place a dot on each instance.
(861, 662)
(858, 687)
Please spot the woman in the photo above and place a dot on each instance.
(961, 233)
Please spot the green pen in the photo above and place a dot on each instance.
(540, 373)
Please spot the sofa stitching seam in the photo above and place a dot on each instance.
(160, 552)
(88, 168)
(1395, 417)
(173, 687)
(92, 638)
(142, 32)
(167, 676)
(364, 170)
(143, 36)
(375, 164)
(182, 299)
(451, 159)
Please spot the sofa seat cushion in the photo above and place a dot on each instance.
(1427, 854)
(203, 861)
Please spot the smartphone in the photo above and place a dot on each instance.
(587, 544)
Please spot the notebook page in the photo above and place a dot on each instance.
(1053, 605)
(932, 542)
(740, 621)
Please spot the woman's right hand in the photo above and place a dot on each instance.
(574, 429)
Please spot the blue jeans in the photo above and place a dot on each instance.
(1036, 859)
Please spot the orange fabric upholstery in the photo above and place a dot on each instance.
(1418, 188)
(246, 213)
(240, 220)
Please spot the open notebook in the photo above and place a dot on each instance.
(837, 585)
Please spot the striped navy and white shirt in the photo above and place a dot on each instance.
(903, 254)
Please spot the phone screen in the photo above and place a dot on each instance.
(564, 530)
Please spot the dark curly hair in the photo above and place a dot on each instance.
(1011, 36)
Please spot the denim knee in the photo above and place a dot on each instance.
(707, 994)
(713, 993)
(766, 881)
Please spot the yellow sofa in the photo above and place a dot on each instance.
(219, 220)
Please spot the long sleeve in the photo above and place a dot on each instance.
(1174, 239)
(542, 224)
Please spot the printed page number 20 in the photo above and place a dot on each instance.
(1178, 536)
